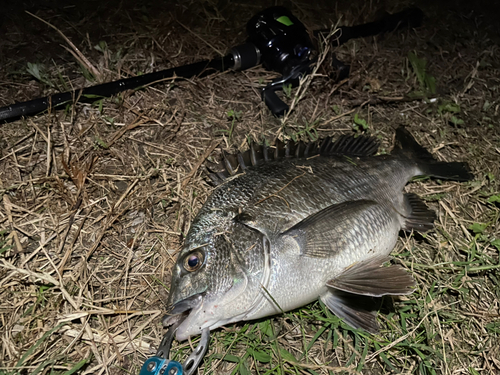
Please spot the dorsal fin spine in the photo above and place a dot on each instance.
(345, 145)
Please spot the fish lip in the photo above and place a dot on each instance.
(181, 309)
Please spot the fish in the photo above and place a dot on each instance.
(290, 224)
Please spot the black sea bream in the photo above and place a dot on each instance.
(298, 222)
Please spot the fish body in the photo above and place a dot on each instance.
(307, 222)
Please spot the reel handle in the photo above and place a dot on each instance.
(277, 106)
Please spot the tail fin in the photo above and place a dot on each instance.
(429, 166)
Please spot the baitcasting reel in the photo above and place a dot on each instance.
(276, 38)
(283, 45)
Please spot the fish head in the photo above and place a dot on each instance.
(216, 279)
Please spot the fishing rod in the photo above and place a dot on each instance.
(276, 39)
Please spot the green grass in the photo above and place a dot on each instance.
(419, 67)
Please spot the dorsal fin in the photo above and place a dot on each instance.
(351, 146)
(267, 153)
(257, 154)
(290, 149)
(325, 145)
(279, 149)
(231, 163)
(237, 163)
(311, 149)
(244, 159)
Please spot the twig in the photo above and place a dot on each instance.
(69, 250)
(203, 40)
(76, 306)
(111, 219)
(199, 163)
(306, 81)
(125, 129)
(102, 367)
(331, 119)
(75, 51)
(8, 205)
(40, 276)
(350, 369)
(404, 337)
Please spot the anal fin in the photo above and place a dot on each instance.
(369, 278)
(421, 218)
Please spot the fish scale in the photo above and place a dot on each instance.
(310, 221)
(377, 224)
(279, 189)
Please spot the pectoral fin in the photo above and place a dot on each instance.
(369, 278)
(357, 311)
(326, 232)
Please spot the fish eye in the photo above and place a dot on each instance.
(193, 261)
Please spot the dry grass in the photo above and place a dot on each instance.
(95, 199)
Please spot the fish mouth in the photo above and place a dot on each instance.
(181, 309)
